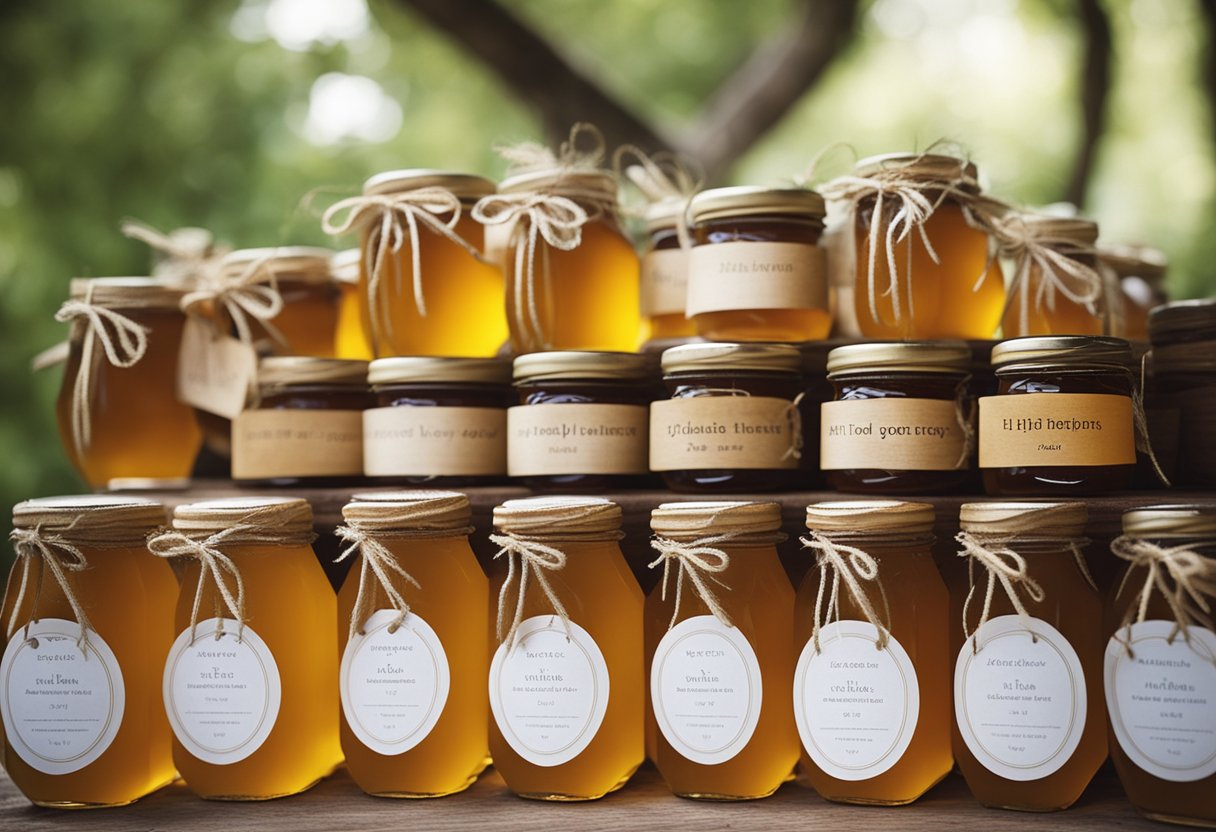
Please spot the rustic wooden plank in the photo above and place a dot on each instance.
(643, 804)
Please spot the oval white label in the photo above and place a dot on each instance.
(1162, 699)
(394, 684)
(707, 690)
(222, 695)
(856, 706)
(550, 692)
(62, 707)
(1020, 698)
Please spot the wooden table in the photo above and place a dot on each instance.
(644, 804)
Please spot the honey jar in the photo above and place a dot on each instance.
(1160, 667)
(351, 339)
(922, 244)
(665, 269)
(1062, 422)
(118, 412)
(719, 629)
(425, 288)
(307, 321)
(1140, 272)
(733, 421)
(412, 621)
(305, 426)
(900, 422)
(582, 422)
(1181, 400)
(249, 684)
(757, 272)
(438, 421)
(872, 684)
(88, 616)
(1056, 287)
(566, 685)
(1029, 729)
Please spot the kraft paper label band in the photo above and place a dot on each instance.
(891, 434)
(664, 282)
(214, 372)
(1079, 429)
(435, 442)
(727, 276)
(560, 439)
(297, 443)
(722, 432)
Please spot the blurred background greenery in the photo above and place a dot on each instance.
(225, 114)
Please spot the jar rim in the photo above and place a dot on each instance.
(1183, 317)
(932, 168)
(288, 264)
(1042, 519)
(1062, 350)
(731, 517)
(290, 370)
(1144, 262)
(128, 292)
(947, 357)
(410, 510)
(462, 185)
(753, 201)
(112, 519)
(1178, 520)
(558, 516)
(557, 179)
(861, 516)
(438, 369)
(710, 356)
(572, 365)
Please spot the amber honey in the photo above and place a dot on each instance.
(443, 750)
(127, 596)
(1028, 312)
(138, 428)
(664, 288)
(595, 739)
(351, 339)
(308, 320)
(1140, 272)
(743, 744)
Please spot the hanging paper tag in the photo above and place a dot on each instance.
(214, 371)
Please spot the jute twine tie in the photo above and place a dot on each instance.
(59, 557)
(850, 566)
(189, 254)
(1185, 579)
(660, 177)
(253, 293)
(393, 219)
(1053, 257)
(528, 557)
(698, 561)
(123, 342)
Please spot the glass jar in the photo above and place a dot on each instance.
(1181, 399)
(1029, 728)
(438, 421)
(302, 277)
(250, 682)
(569, 632)
(305, 426)
(443, 298)
(121, 423)
(86, 599)
(1161, 663)
(412, 624)
(665, 268)
(1037, 302)
(733, 422)
(757, 272)
(351, 339)
(582, 295)
(582, 422)
(1062, 421)
(871, 684)
(722, 630)
(900, 422)
(1140, 272)
(959, 293)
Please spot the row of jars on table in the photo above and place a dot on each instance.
(873, 678)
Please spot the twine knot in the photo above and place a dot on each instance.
(529, 558)
(1003, 564)
(377, 563)
(699, 561)
(1185, 579)
(188, 253)
(848, 565)
(1059, 272)
(212, 565)
(254, 293)
(58, 556)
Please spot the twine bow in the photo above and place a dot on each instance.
(394, 218)
(528, 557)
(583, 149)
(243, 296)
(58, 556)
(848, 565)
(123, 341)
(698, 561)
(1059, 272)
(378, 562)
(1003, 564)
(212, 564)
(661, 177)
(1185, 579)
(188, 253)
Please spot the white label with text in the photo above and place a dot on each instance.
(756, 275)
(560, 439)
(435, 442)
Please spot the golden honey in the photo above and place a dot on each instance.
(664, 270)
(301, 275)
(351, 339)
(1038, 304)
(95, 733)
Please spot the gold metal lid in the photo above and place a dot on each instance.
(928, 167)
(870, 516)
(557, 179)
(572, 365)
(1144, 262)
(698, 519)
(128, 292)
(664, 214)
(92, 519)
(1193, 319)
(420, 510)
(288, 264)
(1062, 351)
(558, 516)
(415, 368)
(784, 358)
(464, 186)
(1048, 228)
(1067, 519)
(280, 516)
(1170, 521)
(900, 356)
(282, 370)
(753, 201)
(344, 265)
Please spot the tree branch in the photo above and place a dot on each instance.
(1095, 89)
